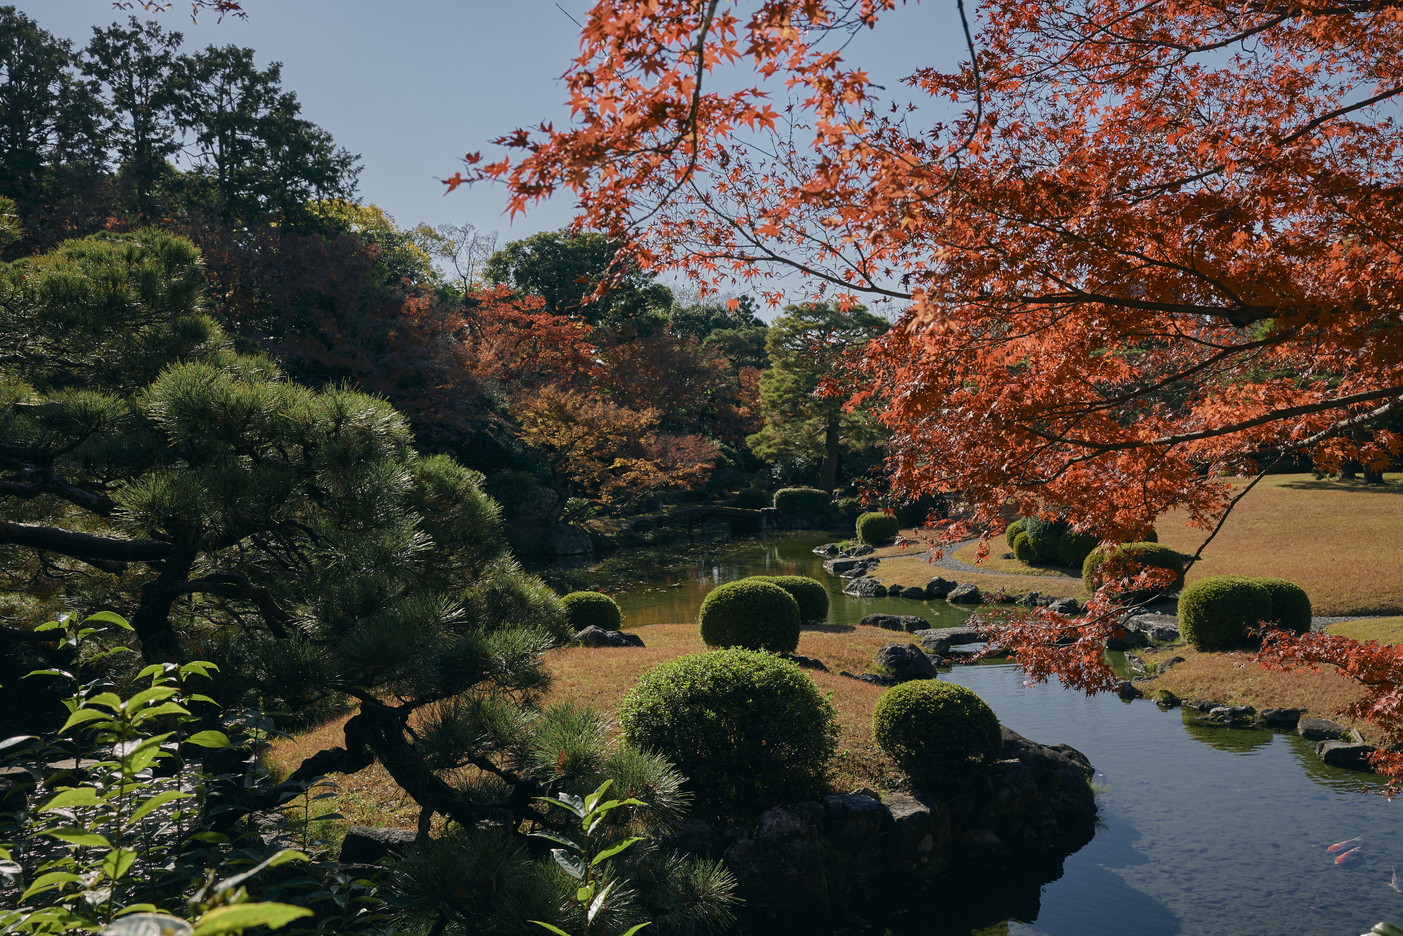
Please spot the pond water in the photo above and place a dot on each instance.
(1202, 831)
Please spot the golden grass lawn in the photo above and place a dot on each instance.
(1342, 541)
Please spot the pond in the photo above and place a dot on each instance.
(1203, 831)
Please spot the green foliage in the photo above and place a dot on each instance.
(849, 507)
(877, 528)
(801, 500)
(124, 839)
(1072, 547)
(937, 732)
(746, 728)
(586, 608)
(1217, 613)
(1114, 562)
(1023, 549)
(751, 499)
(1012, 530)
(1290, 605)
(810, 594)
(753, 614)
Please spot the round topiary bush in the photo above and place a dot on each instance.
(751, 499)
(1072, 547)
(746, 728)
(876, 528)
(751, 614)
(1125, 559)
(1023, 548)
(936, 732)
(1216, 613)
(802, 501)
(810, 594)
(1012, 530)
(583, 608)
(1290, 605)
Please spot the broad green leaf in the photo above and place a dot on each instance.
(552, 837)
(583, 894)
(281, 858)
(240, 917)
(49, 625)
(634, 929)
(598, 904)
(76, 836)
(16, 741)
(210, 739)
(554, 929)
(148, 924)
(77, 796)
(154, 669)
(165, 708)
(118, 862)
(49, 881)
(146, 696)
(82, 716)
(156, 802)
(613, 850)
(109, 618)
(108, 700)
(573, 865)
(199, 667)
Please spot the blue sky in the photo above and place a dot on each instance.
(412, 85)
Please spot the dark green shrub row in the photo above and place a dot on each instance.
(1219, 613)
(751, 499)
(583, 608)
(808, 593)
(802, 501)
(752, 614)
(936, 731)
(876, 528)
(746, 728)
(1128, 559)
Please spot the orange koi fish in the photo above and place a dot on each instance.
(1339, 846)
(1347, 855)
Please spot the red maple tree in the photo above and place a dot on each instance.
(1160, 244)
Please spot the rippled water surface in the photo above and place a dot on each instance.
(1204, 831)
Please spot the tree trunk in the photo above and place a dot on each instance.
(828, 475)
(152, 620)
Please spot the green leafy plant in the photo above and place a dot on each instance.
(936, 732)
(1118, 566)
(876, 528)
(1219, 613)
(750, 613)
(586, 859)
(1290, 605)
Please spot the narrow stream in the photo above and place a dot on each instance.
(1203, 831)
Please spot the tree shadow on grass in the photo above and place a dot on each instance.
(1348, 487)
(829, 628)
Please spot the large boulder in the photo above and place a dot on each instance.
(1350, 755)
(1322, 729)
(865, 587)
(914, 592)
(965, 594)
(593, 636)
(920, 833)
(906, 623)
(904, 662)
(939, 587)
(839, 566)
(939, 640)
(1065, 606)
(369, 845)
(564, 539)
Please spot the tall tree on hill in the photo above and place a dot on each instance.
(809, 344)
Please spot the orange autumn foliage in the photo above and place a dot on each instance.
(1160, 244)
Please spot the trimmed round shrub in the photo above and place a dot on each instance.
(751, 614)
(751, 499)
(849, 507)
(876, 528)
(746, 728)
(810, 594)
(1290, 605)
(1012, 530)
(1131, 556)
(936, 732)
(802, 501)
(1072, 547)
(583, 608)
(1216, 613)
(1023, 548)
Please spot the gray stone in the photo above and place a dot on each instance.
(1128, 690)
(806, 662)
(827, 549)
(368, 845)
(1164, 665)
(914, 592)
(1156, 628)
(1321, 729)
(780, 862)
(854, 821)
(1137, 665)
(904, 662)
(1237, 716)
(863, 567)
(863, 550)
(1060, 773)
(920, 833)
(1128, 640)
(566, 540)
(594, 636)
(907, 623)
(1281, 717)
(939, 587)
(965, 594)
(865, 587)
(1201, 705)
(1033, 600)
(873, 678)
(939, 640)
(1347, 754)
(1065, 606)
(839, 566)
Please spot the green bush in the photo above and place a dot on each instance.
(1290, 605)
(1072, 547)
(1023, 548)
(1216, 613)
(751, 499)
(1012, 530)
(809, 593)
(876, 528)
(583, 608)
(751, 614)
(802, 501)
(936, 731)
(1130, 555)
(746, 728)
(849, 507)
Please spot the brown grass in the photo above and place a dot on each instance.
(1234, 679)
(910, 567)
